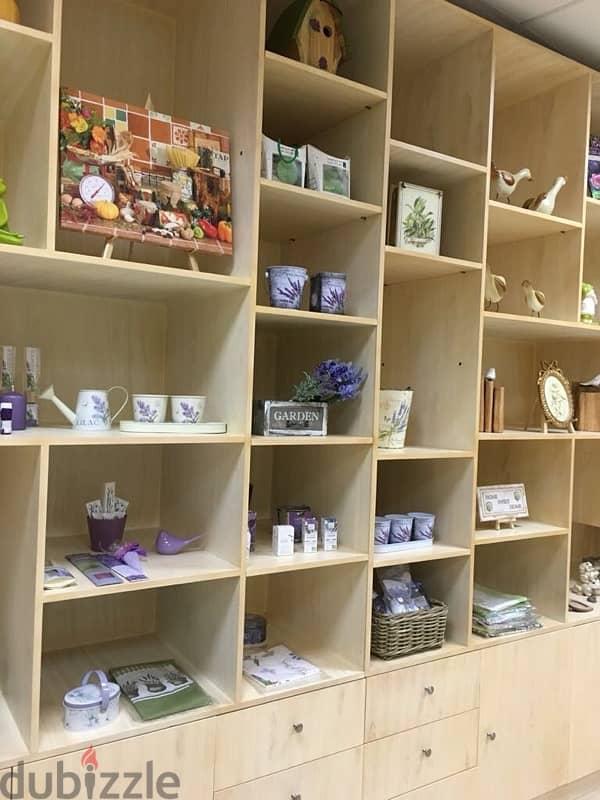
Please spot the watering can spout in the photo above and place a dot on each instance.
(48, 394)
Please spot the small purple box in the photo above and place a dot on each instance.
(293, 515)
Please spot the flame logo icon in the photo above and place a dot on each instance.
(89, 759)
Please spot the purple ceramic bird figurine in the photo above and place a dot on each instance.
(167, 544)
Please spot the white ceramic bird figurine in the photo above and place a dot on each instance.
(495, 288)
(544, 203)
(535, 299)
(504, 183)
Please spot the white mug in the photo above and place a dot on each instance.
(93, 412)
(187, 408)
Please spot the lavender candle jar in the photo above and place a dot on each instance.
(286, 286)
(382, 530)
(328, 292)
(423, 525)
(401, 528)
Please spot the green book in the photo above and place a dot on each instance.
(159, 688)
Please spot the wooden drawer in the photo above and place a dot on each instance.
(464, 786)
(406, 698)
(337, 777)
(403, 762)
(283, 733)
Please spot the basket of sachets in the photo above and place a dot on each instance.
(405, 620)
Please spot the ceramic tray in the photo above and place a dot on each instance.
(191, 428)
(393, 548)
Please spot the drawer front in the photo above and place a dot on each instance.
(284, 733)
(406, 761)
(406, 698)
(463, 786)
(337, 777)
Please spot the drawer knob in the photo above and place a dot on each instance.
(296, 797)
(298, 727)
(429, 689)
(427, 752)
(492, 736)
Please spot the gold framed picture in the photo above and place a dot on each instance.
(556, 398)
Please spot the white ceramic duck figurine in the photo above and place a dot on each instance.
(504, 183)
(495, 288)
(535, 299)
(544, 203)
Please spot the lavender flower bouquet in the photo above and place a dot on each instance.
(331, 381)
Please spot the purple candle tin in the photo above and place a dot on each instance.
(401, 528)
(328, 292)
(19, 403)
(423, 524)
(382, 530)
(286, 286)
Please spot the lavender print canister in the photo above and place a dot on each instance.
(150, 407)
(286, 286)
(394, 409)
(401, 526)
(328, 292)
(423, 525)
(187, 408)
(382, 530)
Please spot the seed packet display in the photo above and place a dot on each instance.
(93, 569)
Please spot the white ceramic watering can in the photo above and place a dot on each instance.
(92, 412)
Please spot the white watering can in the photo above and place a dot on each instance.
(92, 412)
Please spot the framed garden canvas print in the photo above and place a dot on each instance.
(129, 173)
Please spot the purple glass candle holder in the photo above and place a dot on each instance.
(423, 525)
(105, 532)
(382, 530)
(401, 528)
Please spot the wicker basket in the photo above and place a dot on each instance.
(394, 635)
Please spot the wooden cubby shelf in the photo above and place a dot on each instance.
(508, 223)
(407, 265)
(293, 89)
(432, 95)
(290, 212)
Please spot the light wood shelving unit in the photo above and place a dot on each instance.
(432, 95)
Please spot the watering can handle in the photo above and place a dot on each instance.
(123, 389)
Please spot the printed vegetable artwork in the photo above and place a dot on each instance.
(419, 224)
(127, 172)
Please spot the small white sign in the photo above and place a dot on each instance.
(502, 501)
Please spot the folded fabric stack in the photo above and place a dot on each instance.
(498, 614)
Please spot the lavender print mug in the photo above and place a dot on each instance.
(187, 408)
(150, 407)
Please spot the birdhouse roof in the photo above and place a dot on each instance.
(288, 25)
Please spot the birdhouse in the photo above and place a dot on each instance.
(310, 31)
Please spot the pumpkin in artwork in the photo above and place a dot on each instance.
(106, 210)
(9, 10)
(310, 31)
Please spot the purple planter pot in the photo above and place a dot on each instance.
(328, 292)
(286, 286)
(401, 528)
(105, 532)
(423, 525)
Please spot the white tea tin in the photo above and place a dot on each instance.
(91, 705)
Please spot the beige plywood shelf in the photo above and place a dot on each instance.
(263, 562)
(592, 218)
(293, 91)
(33, 268)
(408, 265)
(62, 671)
(509, 223)
(525, 529)
(379, 665)
(548, 624)
(69, 437)
(523, 436)
(309, 441)
(12, 746)
(421, 453)
(282, 318)
(290, 212)
(429, 168)
(23, 52)
(521, 328)
(433, 553)
(190, 566)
